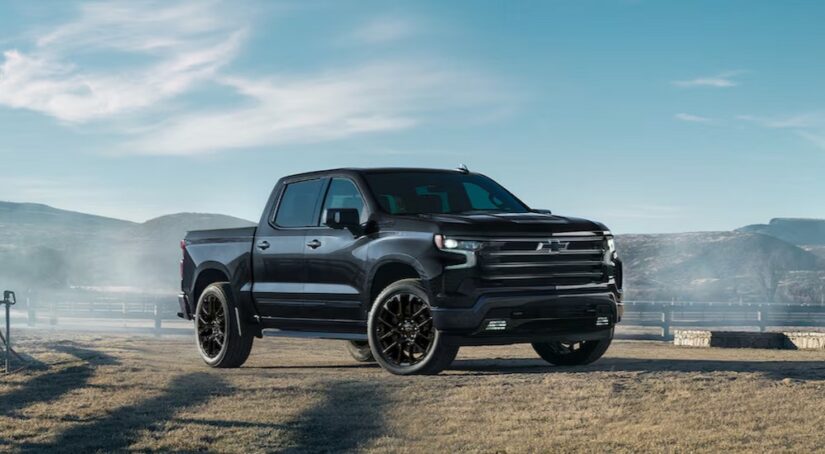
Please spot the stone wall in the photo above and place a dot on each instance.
(740, 339)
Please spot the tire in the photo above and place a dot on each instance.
(401, 334)
(360, 351)
(572, 353)
(216, 320)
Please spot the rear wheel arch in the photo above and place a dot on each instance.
(206, 277)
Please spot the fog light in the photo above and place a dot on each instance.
(602, 321)
(496, 325)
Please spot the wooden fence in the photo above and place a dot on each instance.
(757, 316)
(51, 308)
(663, 316)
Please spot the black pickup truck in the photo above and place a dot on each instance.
(406, 265)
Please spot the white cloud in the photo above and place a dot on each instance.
(382, 30)
(126, 62)
(692, 118)
(808, 125)
(334, 105)
(722, 80)
(175, 46)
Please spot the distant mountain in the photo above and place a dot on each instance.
(41, 246)
(794, 231)
(721, 266)
(48, 247)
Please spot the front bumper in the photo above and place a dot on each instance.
(508, 319)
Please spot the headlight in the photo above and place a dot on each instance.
(467, 248)
(611, 248)
(451, 244)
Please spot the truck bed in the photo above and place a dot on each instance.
(221, 235)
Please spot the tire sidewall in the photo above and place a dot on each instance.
(412, 286)
(218, 291)
(360, 351)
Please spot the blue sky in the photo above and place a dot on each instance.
(649, 116)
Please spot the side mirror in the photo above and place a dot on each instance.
(540, 211)
(9, 298)
(343, 218)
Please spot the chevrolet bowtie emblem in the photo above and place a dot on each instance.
(552, 246)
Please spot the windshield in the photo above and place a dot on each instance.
(440, 192)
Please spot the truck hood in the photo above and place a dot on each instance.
(510, 224)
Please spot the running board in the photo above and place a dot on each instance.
(274, 332)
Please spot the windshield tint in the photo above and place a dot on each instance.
(440, 192)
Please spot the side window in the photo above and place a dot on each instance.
(480, 199)
(342, 193)
(297, 206)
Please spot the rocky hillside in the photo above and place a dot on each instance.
(720, 266)
(794, 231)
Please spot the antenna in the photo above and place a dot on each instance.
(463, 168)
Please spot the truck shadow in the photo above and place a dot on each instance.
(349, 417)
(120, 428)
(316, 366)
(776, 370)
(51, 386)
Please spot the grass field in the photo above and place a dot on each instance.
(115, 393)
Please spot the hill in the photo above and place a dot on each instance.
(719, 266)
(794, 231)
(42, 246)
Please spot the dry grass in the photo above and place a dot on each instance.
(115, 393)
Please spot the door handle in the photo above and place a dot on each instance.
(263, 245)
(314, 244)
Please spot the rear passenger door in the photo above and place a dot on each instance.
(279, 265)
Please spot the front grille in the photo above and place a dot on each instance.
(568, 259)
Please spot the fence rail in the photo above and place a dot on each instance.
(53, 308)
(761, 316)
(665, 316)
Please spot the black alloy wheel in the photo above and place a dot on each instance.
(572, 353)
(405, 329)
(218, 331)
(402, 335)
(212, 326)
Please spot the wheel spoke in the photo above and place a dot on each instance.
(388, 334)
(211, 325)
(403, 329)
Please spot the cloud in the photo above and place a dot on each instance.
(692, 118)
(126, 66)
(334, 105)
(722, 80)
(808, 125)
(382, 30)
(173, 46)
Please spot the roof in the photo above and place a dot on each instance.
(362, 170)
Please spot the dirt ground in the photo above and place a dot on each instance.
(117, 392)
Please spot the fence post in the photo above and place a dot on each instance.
(667, 316)
(31, 317)
(157, 320)
(52, 314)
(761, 320)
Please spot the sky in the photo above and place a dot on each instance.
(649, 116)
